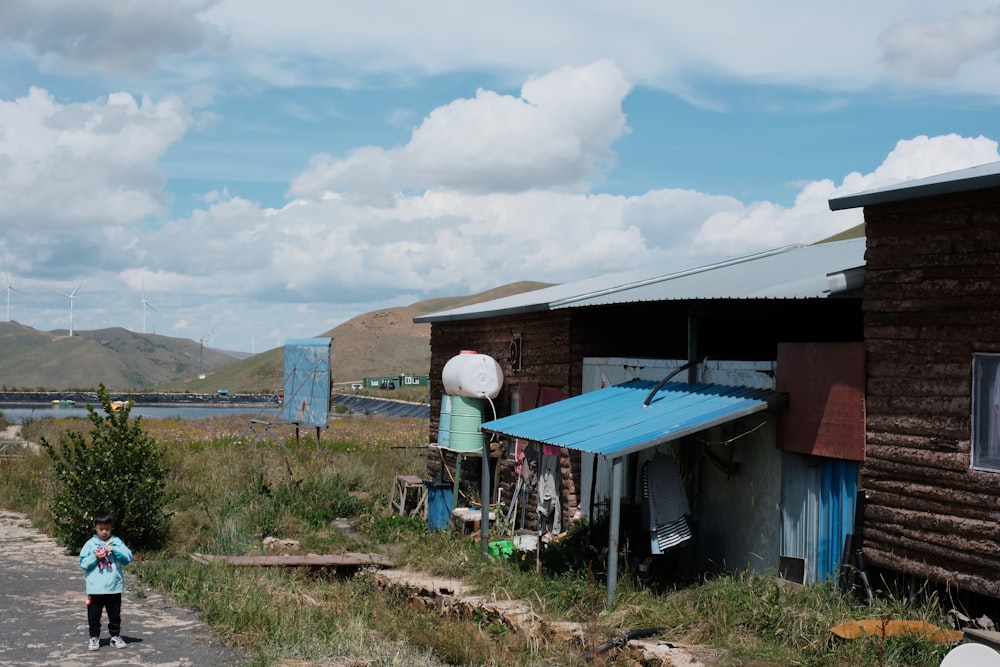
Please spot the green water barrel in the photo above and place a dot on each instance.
(444, 425)
(463, 430)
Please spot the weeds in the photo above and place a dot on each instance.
(226, 499)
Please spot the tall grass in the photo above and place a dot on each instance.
(226, 499)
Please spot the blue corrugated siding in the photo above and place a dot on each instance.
(817, 512)
(838, 494)
(800, 484)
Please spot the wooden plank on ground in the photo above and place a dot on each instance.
(348, 559)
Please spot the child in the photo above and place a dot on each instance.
(102, 558)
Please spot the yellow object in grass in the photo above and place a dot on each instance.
(874, 627)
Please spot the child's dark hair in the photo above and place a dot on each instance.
(103, 516)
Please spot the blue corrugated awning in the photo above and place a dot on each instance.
(614, 422)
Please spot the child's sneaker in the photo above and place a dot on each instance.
(94, 644)
(117, 642)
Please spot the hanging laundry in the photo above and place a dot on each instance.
(666, 504)
(549, 506)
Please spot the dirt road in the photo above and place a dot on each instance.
(43, 618)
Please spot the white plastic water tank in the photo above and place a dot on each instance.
(971, 655)
(472, 375)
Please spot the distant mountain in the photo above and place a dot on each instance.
(382, 342)
(118, 358)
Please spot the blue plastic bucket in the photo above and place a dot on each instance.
(438, 505)
(466, 416)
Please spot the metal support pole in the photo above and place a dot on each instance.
(458, 481)
(616, 493)
(484, 497)
(692, 348)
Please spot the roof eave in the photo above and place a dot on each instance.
(481, 314)
(905, 192)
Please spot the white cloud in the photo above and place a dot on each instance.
(63, 166)
(938, 48)
(557, 134)
(765, 224)
(445, 241)
(828, 47)
(689, 50)
(926, 156)
(125, 38)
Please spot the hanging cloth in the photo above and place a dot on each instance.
(666, 504)
(549, 506)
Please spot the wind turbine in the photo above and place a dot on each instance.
(72, 297)
(201, 353)
(145, 304)
(8, 286)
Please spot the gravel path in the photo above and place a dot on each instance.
(43, 618)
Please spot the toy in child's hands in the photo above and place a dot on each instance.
(103, 555)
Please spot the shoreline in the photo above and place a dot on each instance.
(164, 399)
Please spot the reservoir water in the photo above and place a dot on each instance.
(16, 412)
(356, 405)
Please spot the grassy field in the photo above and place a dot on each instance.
(226, 500)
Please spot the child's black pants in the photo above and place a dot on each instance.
(97, 604)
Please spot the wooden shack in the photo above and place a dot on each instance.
(932, 333)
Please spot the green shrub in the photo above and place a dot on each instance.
(118, 467)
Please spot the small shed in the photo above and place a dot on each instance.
(776, 322)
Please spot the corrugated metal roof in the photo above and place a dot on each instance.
(797, 272)
(962, 180)
(614, 422)
(791, 272)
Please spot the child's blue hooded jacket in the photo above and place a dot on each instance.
(105, 576)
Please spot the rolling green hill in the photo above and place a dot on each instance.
(120, 359)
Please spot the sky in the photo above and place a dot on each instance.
(246, 172)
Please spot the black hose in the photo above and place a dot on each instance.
(659, 385)
(620, 640)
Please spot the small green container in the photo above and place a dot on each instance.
(502, 549)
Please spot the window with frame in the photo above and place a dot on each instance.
(986, 412)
